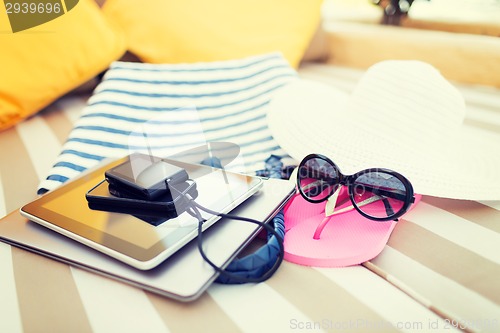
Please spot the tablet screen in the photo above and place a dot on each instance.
(66, 208)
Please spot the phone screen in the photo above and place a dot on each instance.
(146, 176)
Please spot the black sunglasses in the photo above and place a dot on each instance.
(377, 194)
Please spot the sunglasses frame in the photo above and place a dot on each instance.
(348, 180)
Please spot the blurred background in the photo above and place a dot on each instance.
(459, 37)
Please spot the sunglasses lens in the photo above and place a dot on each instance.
(317, 179)
(379, 194)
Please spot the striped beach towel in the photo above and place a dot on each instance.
(166, 108)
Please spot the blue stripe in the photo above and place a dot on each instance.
(71, 166)
(82, 154)
(107, 144)
(173, 82)
(57, 178)
(249, 143)
(116, 117)
(115, 131)
(142, 68)
(162, 109)
(216, 94)
(126, 147)
(167, 135)
(260, 151)
(239, 123)
(255, 130)
(168, 122)
(137, 147)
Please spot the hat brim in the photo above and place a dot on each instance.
(310, 117)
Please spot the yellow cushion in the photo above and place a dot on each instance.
(176, 31)
(40, 64)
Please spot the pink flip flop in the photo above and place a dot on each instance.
(345, 239)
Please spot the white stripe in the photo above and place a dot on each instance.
(239, 128)
(84, 162)
(42, 145)
(397, 309)
(462, 232)
(336, 83)
(72, 107)
(210, 87)
(10, 318)
(443, 293)
(483, 115)
(201, 67)
(66, 172)
(487, 96)
(207, 81)
(93, 149)
(347, 74)
(115, 307)
(222, 101)
(257, 307)
(3, 207)
(49, 185)
(191, 72)
(342, 78)
(178, 113)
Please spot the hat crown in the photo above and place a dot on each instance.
(402, 115)
(409, 97)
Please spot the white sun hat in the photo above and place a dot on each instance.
(402, 115)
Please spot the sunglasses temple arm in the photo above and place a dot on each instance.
(308, 187)
(388, 207)
(326, 219)
(376, 191)
(385, 193)
(360, 204)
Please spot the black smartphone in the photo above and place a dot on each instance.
(145, 177)
(106, 197)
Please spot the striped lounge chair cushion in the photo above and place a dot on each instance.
(178, 106)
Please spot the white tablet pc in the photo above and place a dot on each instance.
(128, 238)
(185, 275)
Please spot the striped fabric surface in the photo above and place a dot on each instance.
(441, 263)
(164, 109)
